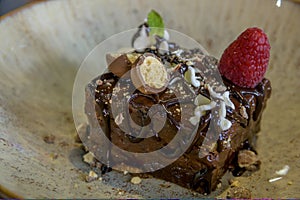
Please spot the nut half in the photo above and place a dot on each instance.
(149, 74)
(118, 65)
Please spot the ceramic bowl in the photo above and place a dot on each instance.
(42, 47)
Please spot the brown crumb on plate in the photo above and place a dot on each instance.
(238, 192)
(49, 139)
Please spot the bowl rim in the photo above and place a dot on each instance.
(21, 8)
(6, 193)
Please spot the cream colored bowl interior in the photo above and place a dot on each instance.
(42, 47)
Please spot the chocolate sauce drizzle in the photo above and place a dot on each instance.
(201, 180)
(102, 99)
(259, 92)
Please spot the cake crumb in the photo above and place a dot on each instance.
(234, 183)
(91, 177)
(63, 144)
(89, 158)
(248, 159)
(99, 82)
(290, 183)
(136, 180)
(238, 192)
(125, 172)
(243, 112)
(49, 139)
(121, 192)
(165, 185)
(53, 156)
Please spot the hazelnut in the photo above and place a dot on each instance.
(149, 75)
(132, 57)
(110, 57)
(119, 65)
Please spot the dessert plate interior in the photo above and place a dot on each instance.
(42, 47)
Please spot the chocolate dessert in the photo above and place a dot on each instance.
(170, 100)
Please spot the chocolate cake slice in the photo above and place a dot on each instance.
(168, 112)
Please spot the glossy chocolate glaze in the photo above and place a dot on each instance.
(201, 174)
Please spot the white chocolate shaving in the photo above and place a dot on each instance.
(227, 100)
(201, 100)
(278, 3)
(225, 124)
(283, 171)
(178, 52)
(119, 119)
(213, 93)
(166, 35)
(274, 179)
(190, 76)
(200, 110)
(222, 111)
(142, 41)
(163, 47)
(194, 120)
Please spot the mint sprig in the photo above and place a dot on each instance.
(155, 23)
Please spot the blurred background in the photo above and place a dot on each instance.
(8, 5)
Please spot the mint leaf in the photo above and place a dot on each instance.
(156, 23)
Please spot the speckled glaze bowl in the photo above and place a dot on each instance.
(42, 47)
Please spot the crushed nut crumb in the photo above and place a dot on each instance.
(91, 177)
(89, 158)
(243, 112)
(99, 82)
(49, 139)
(247, 158)
(136, 180)
(238, 192)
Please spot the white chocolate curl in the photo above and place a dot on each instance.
(142, 41)
(283, 171)
(201, 109)
(163, 47)
(227, 100)
(190, 76)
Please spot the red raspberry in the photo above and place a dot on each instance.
(246, 59)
